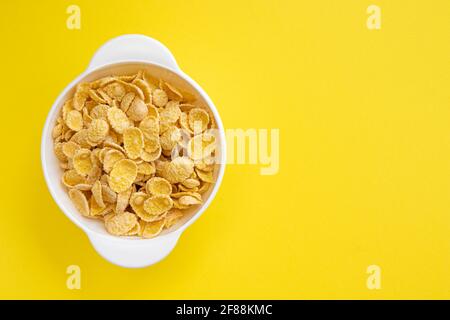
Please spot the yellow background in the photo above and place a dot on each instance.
(364, 119)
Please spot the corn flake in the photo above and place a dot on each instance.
(110, 159)
(115, 90)
(74, 120)
(149, 126)
(80, 202)
(158, 204)
(137, 110)
(97, 193)
(123, 200)
(158, 186)
(72, 178)
(160, 98)
(172, 217)
(122, 175)
(118, 119)
(133, 141)
(126, 101)
(151, 156)
(120, 223)
(198, 120)
(146, 90)
(152, 229)
(82, 161)
(97, 131)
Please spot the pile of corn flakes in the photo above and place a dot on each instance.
(136, 152)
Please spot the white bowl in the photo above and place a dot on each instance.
(128, 54)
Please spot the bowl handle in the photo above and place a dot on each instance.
(134, 254)
(133, 47)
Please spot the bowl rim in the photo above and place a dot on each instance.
(46, 131)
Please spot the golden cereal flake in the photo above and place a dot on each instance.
(177, 205)
(184, 122)
(83, 186)
(138, 110)
(82, 161)
(116, 90)
(171, 113)
(95, 96)
(97, 193)
(206, 176)
(133, 88)
(172, 217)
(178, 195)
(110, 159)
(66, 108)
(149, 126)
(95, 172)
(170, 138)
(152, 110)
(102, 82)
(151, 143)
(122, 175)
(120, 223)
(74, 120)
(159, 98)
(205, 164)
(71, 178)
(118, 119)
(152, 229)
(100, 111)
(70, 148)
(205, 187)
(108, 194)
(151, 156)
(58, 149)
(102, 153)
(97, 131)
(123, 200)
(126, 101)
(146, 168)
(96, 210)
(201, 146)
(172, 92)
(105, 96)
(79, 200)
(133, 141)
(57, 131)
(80, 138)
(135, 230)
(198, 120)
(191, 183)
(115, 146)
(188, 201)
(126, 78)
(158, 204)
(178, 170)
(158, 186)
(145, 87)
(137, 199)
(87, 119)
(80, 97)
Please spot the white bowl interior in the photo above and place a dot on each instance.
(51, 166)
